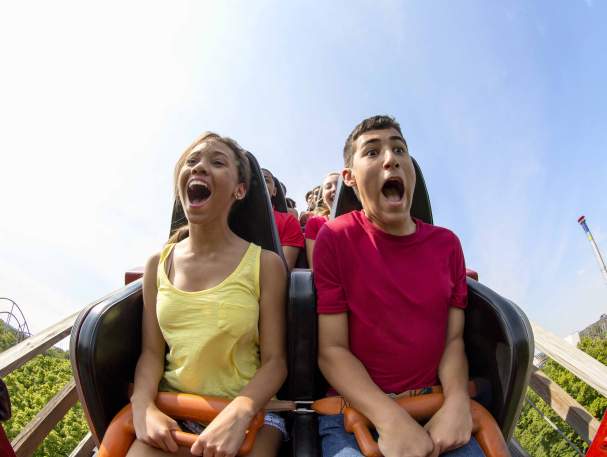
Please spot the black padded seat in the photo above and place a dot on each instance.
(280, 199)
(105, 341)
(498, 337)
(280, 204)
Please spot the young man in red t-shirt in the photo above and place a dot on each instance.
(289, 230)
(391, 296)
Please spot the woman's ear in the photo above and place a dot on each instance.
(240, 191)
(348, 177)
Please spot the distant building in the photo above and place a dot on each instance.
(540, 359)
(596, 330)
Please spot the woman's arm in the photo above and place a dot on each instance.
(272, 333)
(310, 251)
(151, 425)
(290, 253)
(227, 431)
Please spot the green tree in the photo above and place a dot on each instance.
(31, 387)
(8, 337)
(536, 436)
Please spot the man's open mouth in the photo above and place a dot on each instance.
(393, 189)
(198, 192)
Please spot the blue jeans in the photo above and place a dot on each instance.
(336, 442)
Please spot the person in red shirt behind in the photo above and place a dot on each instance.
(391, 297)
(289, 231)
(314, 223)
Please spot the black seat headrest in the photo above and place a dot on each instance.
(346, 200)
(251, 218)
(280, 199)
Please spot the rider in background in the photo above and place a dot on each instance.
(314, 223)
(289, 231)
(391, 297)
(217, 301)
(292, 207)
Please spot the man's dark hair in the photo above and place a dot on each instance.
(379, 122)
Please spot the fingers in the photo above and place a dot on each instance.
(202, 448)
(169, 442)
(198, 447)
(436, 451)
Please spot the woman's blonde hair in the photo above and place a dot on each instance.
(242, 165)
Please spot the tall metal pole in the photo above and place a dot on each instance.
(595, 248)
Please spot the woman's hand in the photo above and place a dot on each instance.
(225, 434)
(451, 426)
(153, 427)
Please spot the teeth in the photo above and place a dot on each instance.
(196, 183)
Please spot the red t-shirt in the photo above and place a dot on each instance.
(397, 291)
(289, 230)
(313, 226)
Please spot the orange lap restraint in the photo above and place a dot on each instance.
(423, 407)
(121, 432)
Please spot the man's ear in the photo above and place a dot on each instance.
(348, 177)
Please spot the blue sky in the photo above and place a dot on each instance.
(503, 104)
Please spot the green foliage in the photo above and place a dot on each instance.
(8, 337)
(31, 387)
(536, 436)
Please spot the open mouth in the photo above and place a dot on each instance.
(198, 193)
(393, 189)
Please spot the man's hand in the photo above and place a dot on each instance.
(401, 436)
(451, 426)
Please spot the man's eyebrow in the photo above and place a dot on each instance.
(213, 152)
(398, 138)
(372, 140)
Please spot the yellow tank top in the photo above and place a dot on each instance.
(212, 335)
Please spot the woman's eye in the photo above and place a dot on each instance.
(399, 150)
(190, 162)
(217, 163)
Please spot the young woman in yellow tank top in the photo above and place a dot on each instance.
(217, 302)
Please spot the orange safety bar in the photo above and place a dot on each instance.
(121, 432)
(423, 407)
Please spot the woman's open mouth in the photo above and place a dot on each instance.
(393, 189)
(198, 193)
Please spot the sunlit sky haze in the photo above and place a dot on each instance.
(503, 104)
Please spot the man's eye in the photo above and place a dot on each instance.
(371, 152)
(399, 150)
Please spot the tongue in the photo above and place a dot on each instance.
(391, 194)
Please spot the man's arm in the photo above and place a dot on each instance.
(451, 426)
(399, 433)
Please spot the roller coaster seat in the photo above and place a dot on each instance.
(279, 201)
(498, 337)
(106, 337)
